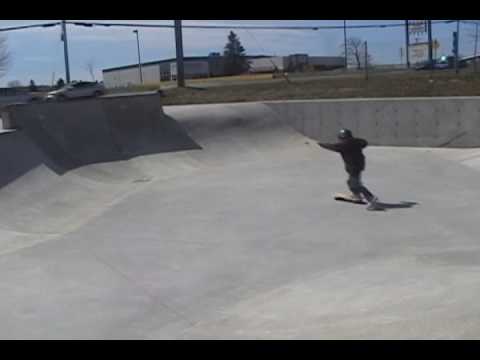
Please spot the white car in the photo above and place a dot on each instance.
(76, 90)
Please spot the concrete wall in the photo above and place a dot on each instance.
(6, 100)
(429, 122)
(85, 132)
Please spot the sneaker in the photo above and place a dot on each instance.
(373, 204)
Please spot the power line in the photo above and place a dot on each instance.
(91, 24)
(251, 27)
(29, 26)
(213, 27)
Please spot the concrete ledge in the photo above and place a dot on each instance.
(85, 110)
(91, 130)
(423, 122)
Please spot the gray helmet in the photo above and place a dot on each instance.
(345, 134)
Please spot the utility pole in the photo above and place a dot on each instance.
(475, 49)
(139, 61)
(366, 61)
(457, 45)
(430, 45)
(179, 47)
(345, 42)
(65, 50)
(407, 44)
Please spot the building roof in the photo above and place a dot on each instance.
(186, 58)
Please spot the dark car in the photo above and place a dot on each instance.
(437, 65)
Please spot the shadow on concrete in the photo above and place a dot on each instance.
(197, 88)
(30, 147)
(399, 205)
(137, 138)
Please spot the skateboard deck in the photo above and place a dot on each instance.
(347, 198)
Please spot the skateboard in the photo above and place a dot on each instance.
(348, 198)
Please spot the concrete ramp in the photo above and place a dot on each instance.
(63, 163)
(237, 133)
(19, 155)
(78, 133)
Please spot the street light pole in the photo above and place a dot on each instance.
(407, 44)
(65, 51)
(430, 44)
(345, 42)
(139, 60)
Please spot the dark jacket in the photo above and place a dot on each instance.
(351, 151)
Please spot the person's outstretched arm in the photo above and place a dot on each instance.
(333, 147)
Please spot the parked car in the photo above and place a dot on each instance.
(425, 65)
(76, 90)
(445, 62)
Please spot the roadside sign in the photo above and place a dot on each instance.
(418, 52)
(417, 26)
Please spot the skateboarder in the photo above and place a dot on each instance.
(351, 150)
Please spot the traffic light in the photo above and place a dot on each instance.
(455, 43)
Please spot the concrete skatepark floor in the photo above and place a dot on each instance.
(241, 239)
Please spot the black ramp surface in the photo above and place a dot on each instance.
(78, 133)
(19, 155)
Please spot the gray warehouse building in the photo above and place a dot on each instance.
(212, 66)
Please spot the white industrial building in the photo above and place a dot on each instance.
(212, 66)
(192, 69)
(295, 63)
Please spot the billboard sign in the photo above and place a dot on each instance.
(418, 52)
(417, 27)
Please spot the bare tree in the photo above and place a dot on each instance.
(4, 56)
(90, 67)
(356, 52)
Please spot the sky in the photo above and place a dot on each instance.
(38, 53)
